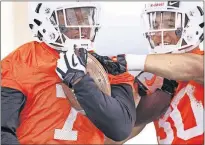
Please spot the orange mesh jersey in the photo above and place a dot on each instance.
(183, 121)
(47, 117)
(125, 78)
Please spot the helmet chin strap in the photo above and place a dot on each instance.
(165, 49)
(78, 43)
(169, 49)
(188, 48)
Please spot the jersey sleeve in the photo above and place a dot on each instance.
(114, 115)
(12, 102)
(7, 77)
(123, 78)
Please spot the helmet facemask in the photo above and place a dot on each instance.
(164, 30)
(78, 25)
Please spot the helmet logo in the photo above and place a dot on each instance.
(157, 4)
(47, 10)
(173, 3)
(150, 82)
(52, 36)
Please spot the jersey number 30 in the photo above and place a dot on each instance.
(185, 134)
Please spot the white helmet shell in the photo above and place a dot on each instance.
(45, 22)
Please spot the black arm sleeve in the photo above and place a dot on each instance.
(12, 102)
(152, 106)
(114, 115)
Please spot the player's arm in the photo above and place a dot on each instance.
(151, 106)
(149, 109)
(114, 115)
(184, 67)
(12, 102)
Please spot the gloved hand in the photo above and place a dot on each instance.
(114, 67)
(168, 86)
(72, 65)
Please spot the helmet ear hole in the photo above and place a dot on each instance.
(62, 29)
(178, 32)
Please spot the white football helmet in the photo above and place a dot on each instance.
(64, 25)
(183, 19)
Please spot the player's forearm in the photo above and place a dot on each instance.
(152, 106)
(182, 67)
(113, 115)
(176, 66)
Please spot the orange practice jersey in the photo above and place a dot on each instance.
(183, 121)
(47, 117)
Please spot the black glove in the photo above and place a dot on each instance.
(72, 65)
(168, 86)
(112, 67)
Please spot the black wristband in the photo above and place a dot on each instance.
(169, 86)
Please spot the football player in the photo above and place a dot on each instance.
(176, 28)
(71, 69)
(35, 109)
(174, 31)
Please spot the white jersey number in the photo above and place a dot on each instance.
(185, 134)
(66, 133)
